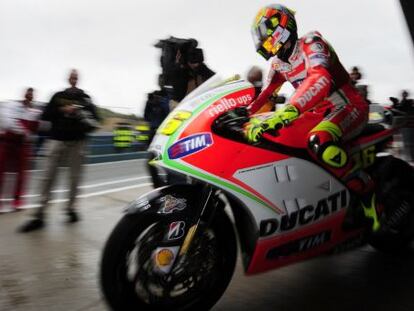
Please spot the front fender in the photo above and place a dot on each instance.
(169, 200)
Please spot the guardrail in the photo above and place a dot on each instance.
(100, 149)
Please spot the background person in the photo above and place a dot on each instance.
(123, 137)
(183, 70)
(156, 110)
(18, 120)
(255, 77)
(183, 67)
(406, 105)
(197, 71)
(72, 116)
(355, 75)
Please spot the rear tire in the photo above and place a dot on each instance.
(218, 248)
(394, 179)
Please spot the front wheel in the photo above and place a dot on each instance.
(394, 179)
(129, 278)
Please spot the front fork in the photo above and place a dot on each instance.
(171, 257)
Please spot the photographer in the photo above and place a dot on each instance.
(197, 72)
(72, 116)
(183, 67)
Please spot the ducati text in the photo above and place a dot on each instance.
(313, 90)
(305, 215)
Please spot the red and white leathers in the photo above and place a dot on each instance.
(17, 123)
(321, 84)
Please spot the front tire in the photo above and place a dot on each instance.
(395, 179)
(210, 265)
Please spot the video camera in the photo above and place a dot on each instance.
(169, 49)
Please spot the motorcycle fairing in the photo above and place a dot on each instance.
(235, 173)
(293, 184)
(294, 246)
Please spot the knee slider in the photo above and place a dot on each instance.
(328, 152)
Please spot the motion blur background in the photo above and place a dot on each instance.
(111, 42)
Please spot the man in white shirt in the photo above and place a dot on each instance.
(18, 120)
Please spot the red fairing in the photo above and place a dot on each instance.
(262, 260)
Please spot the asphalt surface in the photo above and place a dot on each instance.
(57, 268)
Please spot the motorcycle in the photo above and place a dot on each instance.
(176, 246)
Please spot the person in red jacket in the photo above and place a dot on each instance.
(322, 84)
(18, 121)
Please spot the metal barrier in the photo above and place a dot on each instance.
(100, 149)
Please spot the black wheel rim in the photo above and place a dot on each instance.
(185, 285)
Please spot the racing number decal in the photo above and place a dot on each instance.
(365, 157)
(368, 156)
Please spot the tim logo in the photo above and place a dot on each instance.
(176, 230)
(190, 145)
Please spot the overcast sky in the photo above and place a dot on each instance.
(111, 43)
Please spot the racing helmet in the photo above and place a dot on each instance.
(273, 27)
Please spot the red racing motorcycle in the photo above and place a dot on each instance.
(176, 246)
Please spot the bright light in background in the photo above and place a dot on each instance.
(111, 43)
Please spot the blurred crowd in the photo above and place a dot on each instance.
(66, 120)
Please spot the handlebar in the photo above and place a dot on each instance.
(230, 124)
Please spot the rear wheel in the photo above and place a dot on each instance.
(130, 281)
(395, 179)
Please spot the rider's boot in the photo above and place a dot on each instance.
(364, 212)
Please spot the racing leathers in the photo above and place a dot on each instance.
(322, 85)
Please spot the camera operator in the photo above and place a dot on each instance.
(197, 71)
(183, 67)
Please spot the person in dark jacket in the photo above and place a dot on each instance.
(189, 73)
(156, 110)
(406, 104)
(72, 116)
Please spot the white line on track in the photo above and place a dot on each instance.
(93, 194)
(119, 181)
(98, 164)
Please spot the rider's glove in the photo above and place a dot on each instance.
(255, 127)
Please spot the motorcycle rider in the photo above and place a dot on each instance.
(323, 85)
